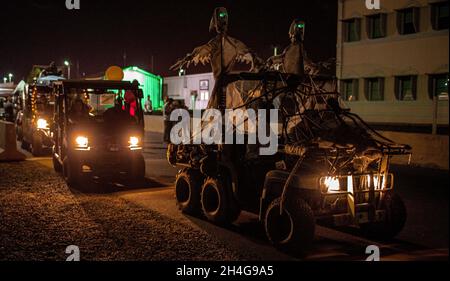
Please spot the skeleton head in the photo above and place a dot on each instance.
(219, 20)
(297, 30)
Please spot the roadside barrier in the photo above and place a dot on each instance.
(8, 145)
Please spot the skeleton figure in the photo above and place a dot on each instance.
(292, 58)
(52, 69)
(222, 52)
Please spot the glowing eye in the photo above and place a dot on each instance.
(300, 25)
(134, 141)
(223, 14)
(81, 141)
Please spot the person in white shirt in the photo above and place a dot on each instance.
(148, 108)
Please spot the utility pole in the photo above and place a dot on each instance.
(125, 59)
(78, 69)
(67, 63)
(153, 64)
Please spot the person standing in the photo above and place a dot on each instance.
(148, 106)
(9, 110)
(167, 110)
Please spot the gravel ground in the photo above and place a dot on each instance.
(40, 216)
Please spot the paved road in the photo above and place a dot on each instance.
(424, 237)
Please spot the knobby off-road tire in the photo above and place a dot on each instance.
(187, 191)
(218, 204)
(293, 230)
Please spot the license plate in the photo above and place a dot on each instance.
(114, 148)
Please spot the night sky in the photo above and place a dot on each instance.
(97, 35)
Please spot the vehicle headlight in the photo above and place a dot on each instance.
(134, 142)
(82, 141)
(42, 124)
(331, 183)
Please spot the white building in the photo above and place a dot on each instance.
(194, 89)
(392, 63)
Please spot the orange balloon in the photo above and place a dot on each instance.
(114, 73)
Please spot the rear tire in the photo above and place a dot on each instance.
(394, 222)
(187, 191)
(217, 202)
(293, 230)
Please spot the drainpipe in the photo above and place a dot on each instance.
(435, 115)
(341, 5)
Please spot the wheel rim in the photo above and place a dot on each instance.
(279, 227)
(182, 191)
(211, 199)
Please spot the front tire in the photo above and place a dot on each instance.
(138, 169)
(293, 230)
(72, 172)
(56, 165)
(394, 222)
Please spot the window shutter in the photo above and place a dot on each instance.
(368, 24)
(358, 28)
(383, 23)
(345, 31)
(366, 89)
(416, 19)
(356, 88)
(433, 16)
(398, 19)
(397, 88)
(430, 86)
(414, 86)
(381, 82)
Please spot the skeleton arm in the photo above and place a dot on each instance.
(199, 54)
(245, 54)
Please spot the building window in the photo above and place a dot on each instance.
(376, 26)
(406, 88)
(204, 84)
(438, 86)
(352, 30)
(349, 89)
(439, 15)
(408, 20)
(204, 95)
(374, 89)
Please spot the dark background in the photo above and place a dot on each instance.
(97, 35)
